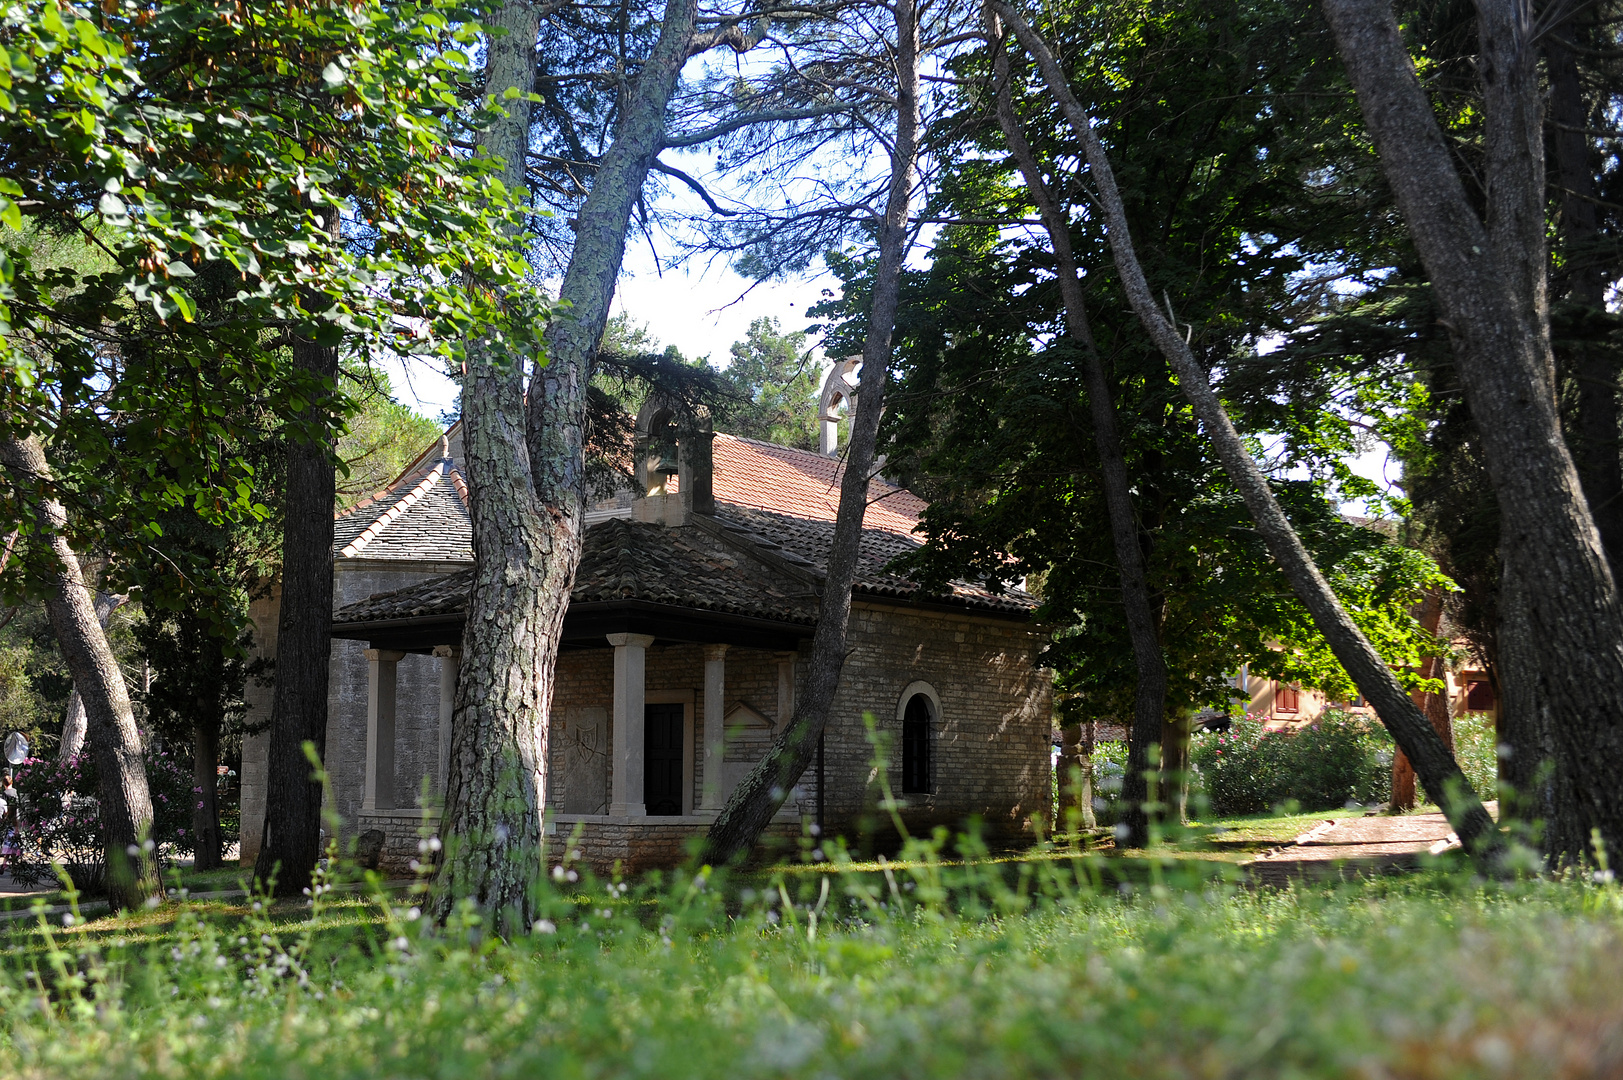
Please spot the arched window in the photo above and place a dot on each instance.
(917, 720)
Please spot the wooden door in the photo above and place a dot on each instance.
(662, 759)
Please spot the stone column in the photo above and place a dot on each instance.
(626, 787)
(450, 663)
(380, 700)
(715, 709)
(786, 687)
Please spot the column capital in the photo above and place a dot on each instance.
(641, 641)
(387, 656)
(787, 654)
(448, 652)
(715, 652)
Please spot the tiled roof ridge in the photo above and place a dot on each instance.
(417, 463)
(389, 516)
(459, 482)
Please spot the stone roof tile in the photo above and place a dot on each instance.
(625, 560)
(807, 542)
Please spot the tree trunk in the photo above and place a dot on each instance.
(1595, 430)
(126, 806)
(1075, 786)
(1149, 699)
(760, 794)
(523, 571)
(1566, 674)
(73, 724)
(1085, 795)
(1176, 734)
(1409, 727)
(291, 841)
(1433, 704)
(527, 490)
(205, 801)
(73, 728)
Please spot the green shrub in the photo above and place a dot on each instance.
(1336, 760)
(1476, 747)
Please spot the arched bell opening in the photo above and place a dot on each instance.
(839, 400)
(672, 453)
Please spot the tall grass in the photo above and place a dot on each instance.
(945, 962)
(914, 969)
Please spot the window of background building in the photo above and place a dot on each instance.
(1479, 696)
(1287, 699)
(916, 723)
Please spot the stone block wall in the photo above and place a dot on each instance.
(990, 749)
(586, 680)
(402, 832)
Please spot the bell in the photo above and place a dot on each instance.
(667, 465)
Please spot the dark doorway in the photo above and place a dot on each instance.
(662, 759)
(916, 746)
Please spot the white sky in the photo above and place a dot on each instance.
(700, 312)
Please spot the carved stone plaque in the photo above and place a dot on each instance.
(586, 760)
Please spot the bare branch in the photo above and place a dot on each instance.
(727, 127)
(697, 188)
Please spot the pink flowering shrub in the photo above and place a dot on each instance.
(59, 821)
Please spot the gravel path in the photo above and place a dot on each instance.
(1372, 844)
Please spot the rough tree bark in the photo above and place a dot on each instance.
(1562, 644)
(126, 805)
(74, 723)
(496, 788)
(1595, 429)
(759, 795)
(526, 481)
(290, 844)
(1414, 734)
(1149, 698)
(206, 841)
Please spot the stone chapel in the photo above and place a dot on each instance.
(683, 650)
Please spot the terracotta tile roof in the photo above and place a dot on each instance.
(626, 560)
(423, 515)
(803, 484)
(446, 596)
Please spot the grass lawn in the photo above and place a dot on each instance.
(916, 968)
(225, 879)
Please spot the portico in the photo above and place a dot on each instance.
(644, 686)
(690, 746)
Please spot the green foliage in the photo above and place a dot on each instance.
(773, 388)
(381, 439)
(1217, 115)
(34, 682)
(1337, 759)
(197, 676)
(256, 171)
(21, 705)
(1476, 748)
